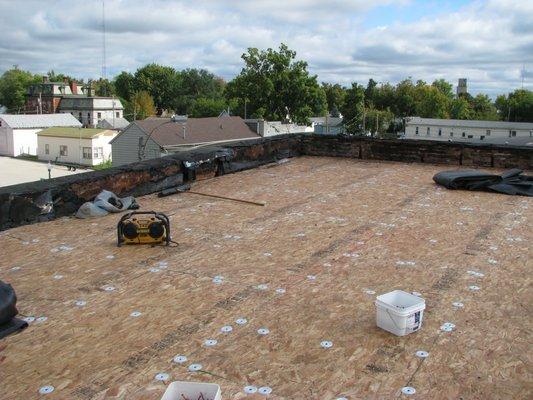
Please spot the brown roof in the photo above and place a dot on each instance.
(197, 130)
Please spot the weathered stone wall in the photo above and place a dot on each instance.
(21, 204)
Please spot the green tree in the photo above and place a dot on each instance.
(273, 85)
(445, 87)
(378, 122)
(483, 108)
(124, 85)
(518, 105)
(430, 102)
(205, 107)
(14, 85)
(335, 95)
(103, 87)
(460, 109)
(353, 108)
(195, 84)
(371, 92)
(141, 106)
(162, 83)
(405, 103)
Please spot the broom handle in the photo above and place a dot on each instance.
(226, 198)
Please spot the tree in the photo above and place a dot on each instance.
(483, 108)
(204, 107)
(141, 106)
(353, 108)
(460, 109)
(124, 85)
(430, 102)
(371, 92)
(274, 85)
(14, 84)
(405, 99)
(162, 83)
(195, 84)
(445, 87)
(102, 87)
(521, 105)
(335, 95)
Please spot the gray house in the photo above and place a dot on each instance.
(156, 137)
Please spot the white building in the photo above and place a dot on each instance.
(83, 146)
(273, 128)
(466, 130)
(18, 132)
(90, 110)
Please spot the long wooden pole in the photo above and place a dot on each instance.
(225, 198)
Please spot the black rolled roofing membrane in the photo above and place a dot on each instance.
(8, 311)
(510, 182)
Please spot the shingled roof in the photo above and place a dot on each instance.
(197, 130)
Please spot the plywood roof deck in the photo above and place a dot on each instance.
(333, 231)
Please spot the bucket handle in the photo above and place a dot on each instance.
(393, 321)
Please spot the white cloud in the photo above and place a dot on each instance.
(486, 42)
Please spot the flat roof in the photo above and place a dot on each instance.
(74, 133)
(335, 233)
(469, 123)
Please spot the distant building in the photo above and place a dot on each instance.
(83, 146)
(272, 128)
(69, 97)
(327, 125)
(467, 130)
(91, 110)
(113, 123)
(167, 137)
(461, 87)
(18, 132)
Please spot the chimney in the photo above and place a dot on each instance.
(45, 78)
(73, 87)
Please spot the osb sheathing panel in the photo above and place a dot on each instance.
(353, 226)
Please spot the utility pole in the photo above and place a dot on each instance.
(104, 69)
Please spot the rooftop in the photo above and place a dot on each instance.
(470, 123)
(197, 130)
(28, 121)
(74, 133)
(335, 233)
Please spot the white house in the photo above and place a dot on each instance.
(83, 146)
(466, 130)
(90, 110)
(18, 132)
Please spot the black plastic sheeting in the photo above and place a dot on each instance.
(8, 311)
(511, 182)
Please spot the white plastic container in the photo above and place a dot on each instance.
(399, 312)
(192, 390)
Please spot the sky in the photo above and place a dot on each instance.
(488, 42)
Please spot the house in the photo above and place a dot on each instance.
(327, 125)
(44, 97)
(273, 128)
(466, 130)
(113, 123)
(91, 110)
(18, 132)
(83, 146)
(68, 97)
(160, 136)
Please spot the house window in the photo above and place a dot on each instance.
(487, 132)
(451, 134)
(428, 130)
(440, 132)
(464, 134)
(63, 151)
(512, 133)
(98, 152)
(470, 136)
(99, 115)
(46, 148)
(481, 137)
(79, 117)
(416, 131)
(117, 114)
(87, 153)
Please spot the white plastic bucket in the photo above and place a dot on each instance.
(192, 390)
(399, 312)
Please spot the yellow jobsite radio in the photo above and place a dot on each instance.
(143, 227)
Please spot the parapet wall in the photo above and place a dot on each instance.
(23, 204)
